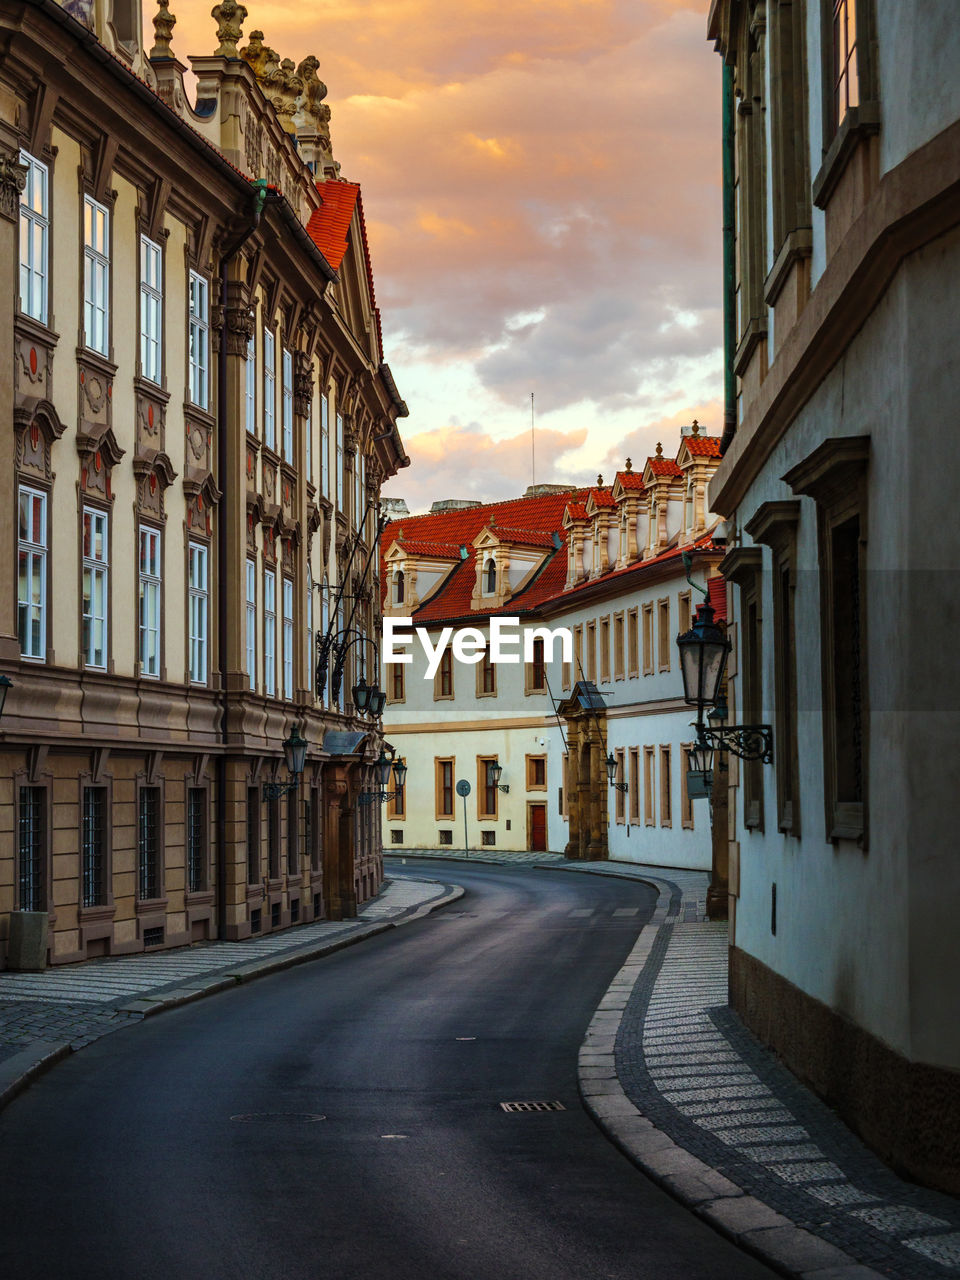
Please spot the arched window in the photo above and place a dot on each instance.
(399, 585)
(490, 577)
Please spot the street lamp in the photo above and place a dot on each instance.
(295, 754)
(6, 684)
(383, 767)
(699, 771)
(494, 770)
(703, 658)
(613, 768)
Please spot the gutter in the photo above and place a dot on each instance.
(729, 263)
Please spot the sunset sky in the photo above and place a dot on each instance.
(541, 188)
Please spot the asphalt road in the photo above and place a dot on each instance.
(342, 1120)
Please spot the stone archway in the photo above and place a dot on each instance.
(586, 779)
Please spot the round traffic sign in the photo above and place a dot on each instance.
(463, 787)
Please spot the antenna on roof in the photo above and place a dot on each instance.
(533, 454)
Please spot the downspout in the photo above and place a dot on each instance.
(260, 195)
(729, 263)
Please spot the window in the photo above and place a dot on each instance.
(150, 581)
(633, 640)
(273, 840)
(250, 624)
(618, 669)
(148, 844)
(308, 432)
(648, 639)
(536, 773)
(34, 239)
(32, 573)
(775, 523)
(666, 813)
(535, 671)
(286, 404)
(196, 839)
(621, 798)
(486, 676)
(396, 686)
(32, 849)
(96, 276)
(269, 632)
(604, 649)
(199, 608)
(253, 835)
(591, 651)
(93, 853)
(397, 804)
(269, 389)
(324, 447)
(846, 87)
(564, 797)
(490, 577)
(664, 639)
(288, 637)
(399, 587)
(309, 674)
(199, 341)
(250, 387)
(95, 587)
(578, 653)
(487, 793)
(313, 836)
(649, 802)
(339, 470)
(686, 804)
(444, 788)
(683, 612)
(357, 512)
(151, 311)
(293, 833)
(634, 784)
(443, 680)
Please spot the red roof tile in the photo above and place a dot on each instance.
(631, 480)
(329, 225)
(664, 467)
(439, 550)
(602, 498)
(703, 446)
(577, 510)
(718, 597)
(523, 537)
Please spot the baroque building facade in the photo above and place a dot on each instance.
(196, 421)
(606, 564)
(842, 127)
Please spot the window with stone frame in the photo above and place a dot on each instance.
(151, 310)
(618, 668)
(253, 835)
(486, 676)
(536, 768)
(633, 782)
(396, 683)
(621, 797)
(444, 786)
(535, 672)
(604, 642)
(35, 239)
(149, 844)
(666, 784)
(33, 848)
(664, 637)
(197, 839)
(649, 782)
(487, 793)
(443, 680)
(94, 846)
(397, 804)
(834, 475)
(32, 540)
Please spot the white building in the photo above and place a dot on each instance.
(840, 502)
(604, 563)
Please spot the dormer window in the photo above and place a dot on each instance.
(490, 577)
(398, 587)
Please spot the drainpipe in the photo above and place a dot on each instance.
(260, 195)
(729, 264)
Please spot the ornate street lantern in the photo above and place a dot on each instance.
(361, 695)
(6, 684)
(703, 657)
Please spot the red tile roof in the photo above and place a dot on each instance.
(329, 225)
(631, 480)
(523, 537)
(577, 510)
(664, 467)
(703, 446)
(718, 597)
(602, 498)
(439, 550)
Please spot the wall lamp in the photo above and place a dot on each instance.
(613, 768)
(383, 766)
(494, 772)
(295, 754)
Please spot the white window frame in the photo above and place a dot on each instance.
(34, 238)
(288, 638)
(324, 446)
(32, 569)
(270, 632)
(94, 602)
(151, 597)
(250, 387)
(96, 276)
(286, 403)
(151, 310)
(250, 623)
(339, 446)
(269, 389)
(199, 340)
(198, 556)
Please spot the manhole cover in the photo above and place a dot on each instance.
(278, 1117)
(532, 1106)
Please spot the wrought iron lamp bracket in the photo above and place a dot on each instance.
(746, 741)
(275, 790)
(375, 797)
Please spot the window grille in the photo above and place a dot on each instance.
(196, 839)
(93, 850)
(31, 841)
(148, 844)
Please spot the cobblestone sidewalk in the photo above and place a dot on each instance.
(79, 1003)
(480, 855)
(676, 1080)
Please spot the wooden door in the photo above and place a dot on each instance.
(538, 828)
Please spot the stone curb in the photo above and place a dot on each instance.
(745, 1220)
(17, 1071)
(21, 1069)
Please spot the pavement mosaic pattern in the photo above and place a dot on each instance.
(81, 1002)
(688, 1064)
(503, 859)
